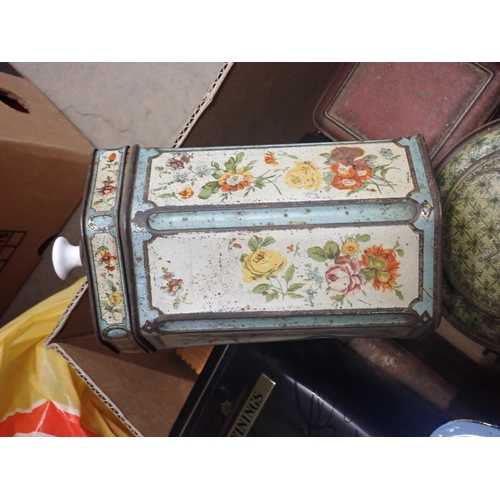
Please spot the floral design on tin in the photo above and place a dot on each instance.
(266, 265)
(110, 161)
(228, 179)
(174, 287)
(233, 177)
(106, 258)
(186, 193)
(348, 169)
(305, 175)
(106, 180)
(349, 268)
(352, 170)
(105, 192)
(108, 262)
(271, 158)
(233, 244)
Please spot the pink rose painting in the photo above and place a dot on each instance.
(345, 276)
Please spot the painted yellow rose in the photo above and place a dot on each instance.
(261, 264)
(116, 298)
(305, 175)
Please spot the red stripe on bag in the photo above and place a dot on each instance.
(47, 419)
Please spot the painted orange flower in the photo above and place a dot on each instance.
(270, 159)
(235, 180)
(112, 157)
(346, 171)
(380, 266)
(362, 170)
(107, 187)
(186, 193)
(107, 259)
(346, 182)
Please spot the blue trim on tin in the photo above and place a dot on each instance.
(140, 235)
(139, 204)
(427, 225)
(329, 321)
(291, 216)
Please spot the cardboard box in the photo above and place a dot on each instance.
(43, 167)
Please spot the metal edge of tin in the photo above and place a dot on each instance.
(438, 259)
(124, 342)
(125, 238)
(85, 254)
(178, 340)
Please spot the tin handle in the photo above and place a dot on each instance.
(65, 257)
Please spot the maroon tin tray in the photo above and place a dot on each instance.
(442, 101)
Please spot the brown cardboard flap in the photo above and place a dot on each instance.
(43, 124)
(146, 391)
(263, 103)
(43, 167)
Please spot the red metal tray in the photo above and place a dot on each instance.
(442, 101)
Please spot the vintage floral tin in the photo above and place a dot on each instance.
(469, 183)
(221, 245)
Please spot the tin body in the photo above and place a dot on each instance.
(220, 245)
(469, 183)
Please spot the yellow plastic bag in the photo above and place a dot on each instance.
(40, 394)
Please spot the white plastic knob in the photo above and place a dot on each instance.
(65, 257)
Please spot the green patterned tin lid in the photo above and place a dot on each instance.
(469, 183)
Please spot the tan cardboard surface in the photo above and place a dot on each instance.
(43, 167)
(44, 124)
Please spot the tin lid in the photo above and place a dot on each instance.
(469, 182)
